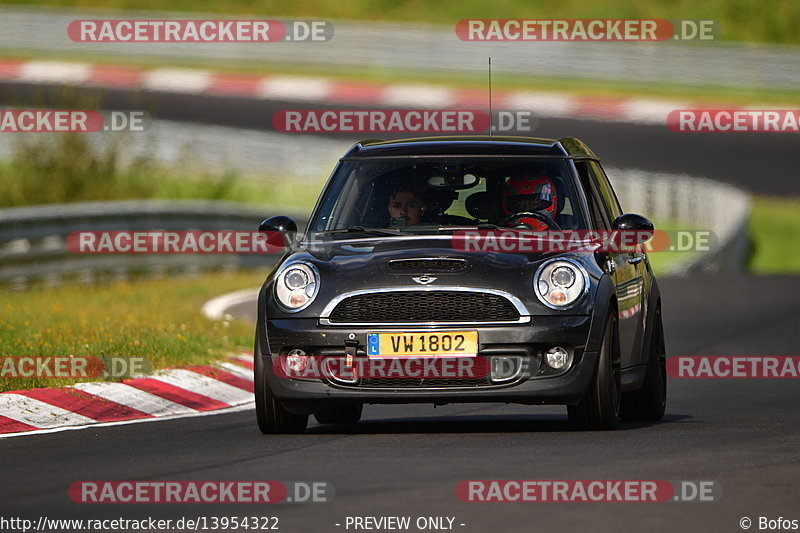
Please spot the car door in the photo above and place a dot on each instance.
(622, 266)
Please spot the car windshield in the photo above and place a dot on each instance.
(398, 195)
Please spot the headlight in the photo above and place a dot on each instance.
(563, 277)
(559, 283)
(296, 285)
(296, 279)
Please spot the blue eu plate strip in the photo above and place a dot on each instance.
(373, 344)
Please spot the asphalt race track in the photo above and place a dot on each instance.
(407, 460)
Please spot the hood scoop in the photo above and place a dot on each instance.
(427, 265)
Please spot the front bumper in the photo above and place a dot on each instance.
(525, 340)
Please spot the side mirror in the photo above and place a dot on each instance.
(279, 225)
(637, 229)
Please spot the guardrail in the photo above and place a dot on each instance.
(693, 203)
(33, 245)
(33, 239)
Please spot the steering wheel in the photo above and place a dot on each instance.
(514, 218)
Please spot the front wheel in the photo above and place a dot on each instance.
(599, 409)
(650, 402)
(271, 416)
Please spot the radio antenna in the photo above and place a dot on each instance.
(491, 120)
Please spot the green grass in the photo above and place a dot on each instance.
(740, 20)
(775, 231)
(157, 319)
(63, 168)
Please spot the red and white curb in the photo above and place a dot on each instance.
(324, 90)
(175, 393)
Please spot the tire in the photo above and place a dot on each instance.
(340, 414)
(599, 408)
(271, 416)
(650, 402)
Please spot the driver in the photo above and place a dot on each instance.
(528, 194)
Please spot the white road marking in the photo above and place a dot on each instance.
(541, 104)
(134, 398)
(37, 413)
(649, 111)
(245, 407)
(237, 370)
(54, 72)
(295, 88)
(213, 388)
(418, 96)
(177, 80)
(244, 357)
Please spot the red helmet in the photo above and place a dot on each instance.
(527, 193)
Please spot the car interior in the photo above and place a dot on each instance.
(455, 194)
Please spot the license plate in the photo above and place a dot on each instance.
(422, 344)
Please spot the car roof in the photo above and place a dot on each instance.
(472, 145)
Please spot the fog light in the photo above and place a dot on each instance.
(558, 358)
(296, 360)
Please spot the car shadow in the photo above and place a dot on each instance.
(475, 424)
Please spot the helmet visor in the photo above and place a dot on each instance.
(520, 203)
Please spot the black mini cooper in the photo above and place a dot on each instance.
(440, 270)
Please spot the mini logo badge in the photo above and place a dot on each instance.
(424, 280)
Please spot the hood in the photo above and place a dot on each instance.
(376, 263)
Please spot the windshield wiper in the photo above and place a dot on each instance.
(460, 227)
(361, 229)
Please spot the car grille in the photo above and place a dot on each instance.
(427, 266)
(424, 306)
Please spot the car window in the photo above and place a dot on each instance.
(459, 206)
(609, 197)
(387, 192)
(600, 216)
